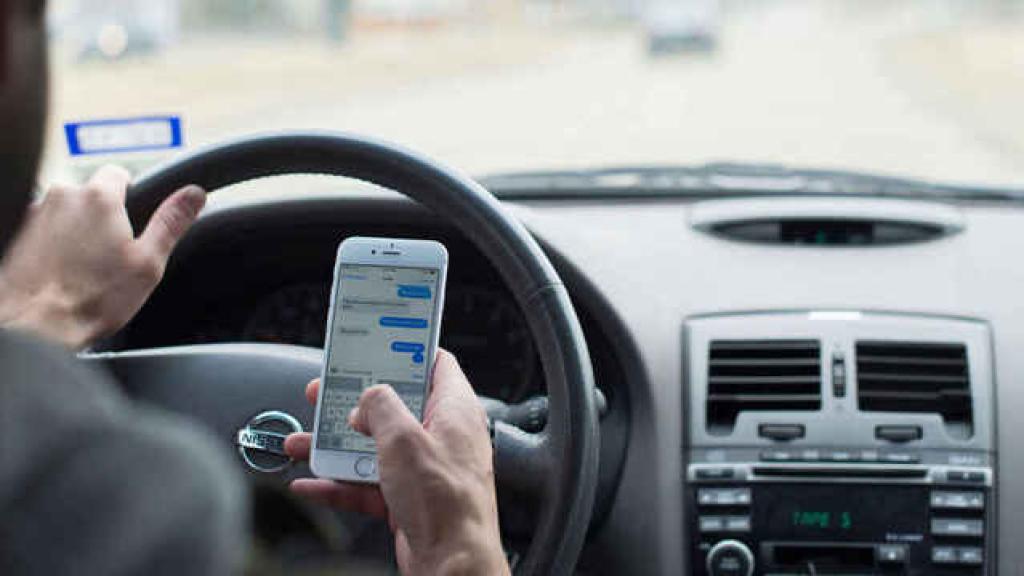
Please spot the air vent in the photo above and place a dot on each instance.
(826, 221)
(767, 375)
(825, 232)
(916, 377)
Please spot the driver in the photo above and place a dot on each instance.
(91, 484)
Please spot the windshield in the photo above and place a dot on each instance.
(920, 88)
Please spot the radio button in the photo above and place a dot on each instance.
(868, 456)
(712, 524)
(737, 524)
(892, 553)
(840, 456)
(719, 473)
(958, 500)
(730, 558)
(900, 458)
(965, 476)
(723, 497)
(957, 527)
(970, 556)
(944, 555)
(778, 456)
(810, 455)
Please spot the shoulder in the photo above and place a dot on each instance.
(46, 398)
(45, 378)
(121, 487)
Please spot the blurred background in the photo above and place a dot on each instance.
(920, 88)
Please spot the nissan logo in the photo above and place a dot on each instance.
(261, 440)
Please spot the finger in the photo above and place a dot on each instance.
(298, 445)
(171, 221)
(111, 182)
(362, 498)
(382, 415)
(449, 377)
(449, 382)
(313, 391)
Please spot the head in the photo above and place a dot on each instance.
(23, 99)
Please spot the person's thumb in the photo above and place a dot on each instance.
(382, 414)
(172, 220)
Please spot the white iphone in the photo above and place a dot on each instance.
(382, 328)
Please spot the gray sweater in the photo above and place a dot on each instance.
(93, 484)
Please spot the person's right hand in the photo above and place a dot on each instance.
(436, 478)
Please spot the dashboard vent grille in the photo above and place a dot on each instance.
(769, 375)
(916, 377)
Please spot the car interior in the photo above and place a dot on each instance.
(795, 398)
(716, 369)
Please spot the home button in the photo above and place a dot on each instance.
(366, 466)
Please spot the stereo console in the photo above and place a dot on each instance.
(839, 442)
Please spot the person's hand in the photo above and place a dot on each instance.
(436, 478)
(76, 272)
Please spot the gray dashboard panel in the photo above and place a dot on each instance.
(656, 271)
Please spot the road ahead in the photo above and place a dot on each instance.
(805, 83)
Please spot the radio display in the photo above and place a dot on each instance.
(841, 512)
(823, 519)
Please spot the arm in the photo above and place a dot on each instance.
(93, 484)
(436, 478)
(76, 272)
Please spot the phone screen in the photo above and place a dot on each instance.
(382, 333)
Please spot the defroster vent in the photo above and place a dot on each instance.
(765, 375)
(916, 377)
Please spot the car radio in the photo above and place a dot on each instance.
(852, 444)
(852, 516)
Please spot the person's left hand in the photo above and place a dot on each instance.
(76, 272)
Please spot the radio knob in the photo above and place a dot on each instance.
(730, 558)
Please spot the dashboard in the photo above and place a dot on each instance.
(683, 300)
(240, 302)
(483, 326)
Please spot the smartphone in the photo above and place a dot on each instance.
(382, 328)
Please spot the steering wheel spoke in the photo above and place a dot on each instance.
(522, 460)
(226, 387)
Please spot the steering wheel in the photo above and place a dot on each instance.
(225, 385)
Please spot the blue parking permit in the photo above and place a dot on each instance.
(123, 135)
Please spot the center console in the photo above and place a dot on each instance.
(839, 443)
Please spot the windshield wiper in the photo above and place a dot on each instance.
(727, 179)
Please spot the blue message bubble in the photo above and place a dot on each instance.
(415, 348)
(407, 347)
(414, 291)
(398, 322)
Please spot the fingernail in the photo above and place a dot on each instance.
(195, 197)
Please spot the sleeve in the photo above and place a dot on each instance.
(91, 484)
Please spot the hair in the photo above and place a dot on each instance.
(23, 103)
